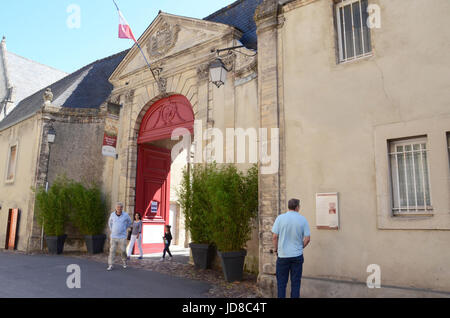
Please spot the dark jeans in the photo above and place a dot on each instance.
(294, 266)
(166, 249)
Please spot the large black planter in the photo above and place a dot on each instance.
(55, 244)
(203, 255)
(233, 265)
(95, 243)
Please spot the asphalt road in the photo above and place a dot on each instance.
(24, 276)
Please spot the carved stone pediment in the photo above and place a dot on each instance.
(167, 36)
(163, 40)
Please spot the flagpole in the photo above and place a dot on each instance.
(142, 52)
(148, 64)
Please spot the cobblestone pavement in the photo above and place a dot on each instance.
(247, 288)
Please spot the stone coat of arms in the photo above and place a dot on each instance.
(163, 40)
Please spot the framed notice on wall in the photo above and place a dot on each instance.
(327, 211)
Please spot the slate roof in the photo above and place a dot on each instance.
(240, 15)
(86, 88)
(28, 76)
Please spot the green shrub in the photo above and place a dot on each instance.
(67, 200)
(234, 201)
(219, 205)
(53, 207)
(89, 209)
(193, 199)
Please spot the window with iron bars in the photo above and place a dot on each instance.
(410, 177)
(354, 37)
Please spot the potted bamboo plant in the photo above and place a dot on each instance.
(52, 210)
(193, 199)
(234, 202)
(89, 215)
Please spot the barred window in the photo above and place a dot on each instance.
(353, 30)
(10, 172)
(410, 176)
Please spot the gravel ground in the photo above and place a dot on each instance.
(247, 288)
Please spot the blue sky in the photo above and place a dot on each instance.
(38, 30)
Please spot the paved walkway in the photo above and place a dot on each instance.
(180, 255)
(26, 276)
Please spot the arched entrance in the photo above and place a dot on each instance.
(154, 166)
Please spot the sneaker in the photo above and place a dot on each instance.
(170, 258)
(110, 268)
(162, 259)
(125, 266)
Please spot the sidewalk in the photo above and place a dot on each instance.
(179, 267)
(180, 255)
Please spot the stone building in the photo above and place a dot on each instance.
(354, 97)
(20, 78)
(76, 107)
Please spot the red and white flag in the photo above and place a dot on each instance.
(124, 28)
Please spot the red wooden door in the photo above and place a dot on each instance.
(11, 233)
(153, 169)
(153, 195)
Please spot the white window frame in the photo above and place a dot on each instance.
(341, 40)
(7, 180)
(415, 209)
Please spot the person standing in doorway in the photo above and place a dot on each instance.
(167, 241)
(119, 222)
(291, 235)
(136, 236)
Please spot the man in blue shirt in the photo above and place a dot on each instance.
(291, 235)
(119, 222)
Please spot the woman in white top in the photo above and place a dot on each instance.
(136, 235)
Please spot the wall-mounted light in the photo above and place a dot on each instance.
(51, 135)
(218, 72)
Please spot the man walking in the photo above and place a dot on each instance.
(291, 235)
(118, 223)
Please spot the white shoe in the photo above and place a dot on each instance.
(125, 266)
(110, 268)
(170, 258)
(162, 259)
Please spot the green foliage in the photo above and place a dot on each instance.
(220, 204)
(193, 199)
(89, 209)
(52, 208)
(67, 200)
(234, 198)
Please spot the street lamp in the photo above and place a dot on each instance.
(51, 135)
(218, 72)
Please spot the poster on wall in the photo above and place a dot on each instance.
(327, 211)
(111, 133)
